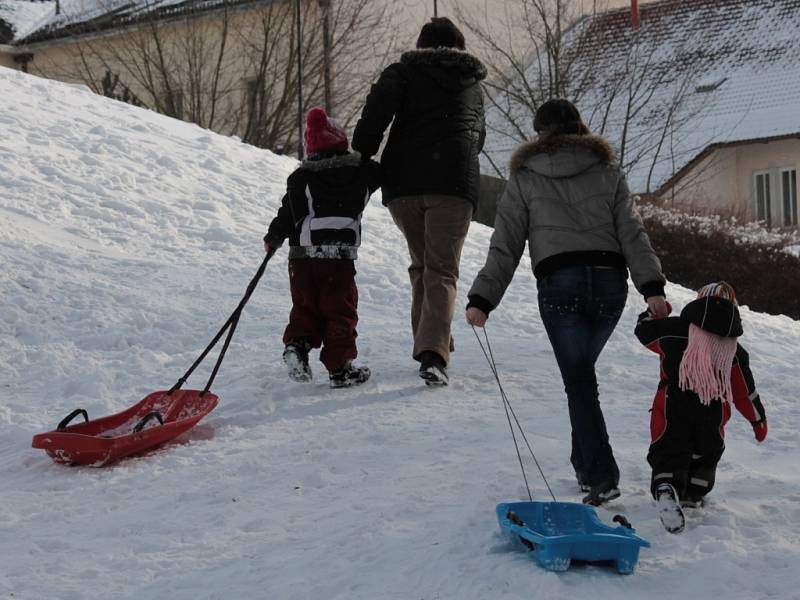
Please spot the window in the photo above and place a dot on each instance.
(789, 196)
(762, 197)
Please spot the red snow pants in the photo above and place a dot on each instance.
(324, 308)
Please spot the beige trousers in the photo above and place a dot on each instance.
(435, 227)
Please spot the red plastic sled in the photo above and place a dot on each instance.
(158, 418)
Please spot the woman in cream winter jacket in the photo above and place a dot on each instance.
(568, 199)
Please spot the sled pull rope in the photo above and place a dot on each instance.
(510, 413)
(230, 327)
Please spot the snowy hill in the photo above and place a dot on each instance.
(126, 238)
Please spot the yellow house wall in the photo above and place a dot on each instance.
(723, 183)
(87, 59)
(772, 157)
(7, 59)
(709, 187)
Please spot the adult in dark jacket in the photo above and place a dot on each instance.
(431, 172)
(568, 200)
(321, 216)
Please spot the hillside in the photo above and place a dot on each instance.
(126, 238)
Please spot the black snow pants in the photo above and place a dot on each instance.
(688, 439)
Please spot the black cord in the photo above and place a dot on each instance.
(229, 326)
(510, 409)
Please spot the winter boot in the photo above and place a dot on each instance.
(602, 493)
(348, 375)
(693, 502)
(669, 509)
(433, 369)
(295, 355)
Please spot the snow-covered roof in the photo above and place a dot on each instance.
(735, 64)
(18, 17)
(89, 16)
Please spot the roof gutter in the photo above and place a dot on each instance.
(63, 36)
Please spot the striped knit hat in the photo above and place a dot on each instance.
(720, 289)
(706, 365)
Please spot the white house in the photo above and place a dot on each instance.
(700, 100)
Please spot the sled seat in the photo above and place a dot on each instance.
(156, 419)
(559, 532)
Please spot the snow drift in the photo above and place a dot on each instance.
(126, 238)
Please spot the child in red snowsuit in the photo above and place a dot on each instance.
(703, 371)
(321, 216)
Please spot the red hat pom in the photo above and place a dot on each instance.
(322, 133)
(316, 118)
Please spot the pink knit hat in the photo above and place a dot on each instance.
(322, 133)
(706, 365)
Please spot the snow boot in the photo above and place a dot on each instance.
(348, 375)
(692, 502)
(602, 493)
(433, 369)
(295, 356)
(669, 508)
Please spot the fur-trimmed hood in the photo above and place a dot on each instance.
(351, 159)
(563, 155)
(451, 68)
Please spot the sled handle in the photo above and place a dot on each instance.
(65, 421)
(514, 518)
(622, 521)
(146, 419)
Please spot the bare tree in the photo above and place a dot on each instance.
(555, 48)
(524, 55)
(231, 69)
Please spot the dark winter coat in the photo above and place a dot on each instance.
(321, 210)
(669, 337)
(435, 99)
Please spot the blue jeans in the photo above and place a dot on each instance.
(580, 307)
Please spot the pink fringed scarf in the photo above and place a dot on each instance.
(706, 365)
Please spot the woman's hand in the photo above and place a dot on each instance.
(476, 317)
(658, 307)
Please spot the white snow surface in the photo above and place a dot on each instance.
(126, 238)
(753, 232)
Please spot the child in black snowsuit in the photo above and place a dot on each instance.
(321, 216)
(703, 372)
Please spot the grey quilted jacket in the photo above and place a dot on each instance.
(565, 195)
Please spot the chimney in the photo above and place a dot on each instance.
(634, 15)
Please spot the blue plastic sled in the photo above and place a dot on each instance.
(560, 532)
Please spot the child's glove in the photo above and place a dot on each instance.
(270, 246)
(658, 307)
(760, 429)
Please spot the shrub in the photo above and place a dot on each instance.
(759, 264)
